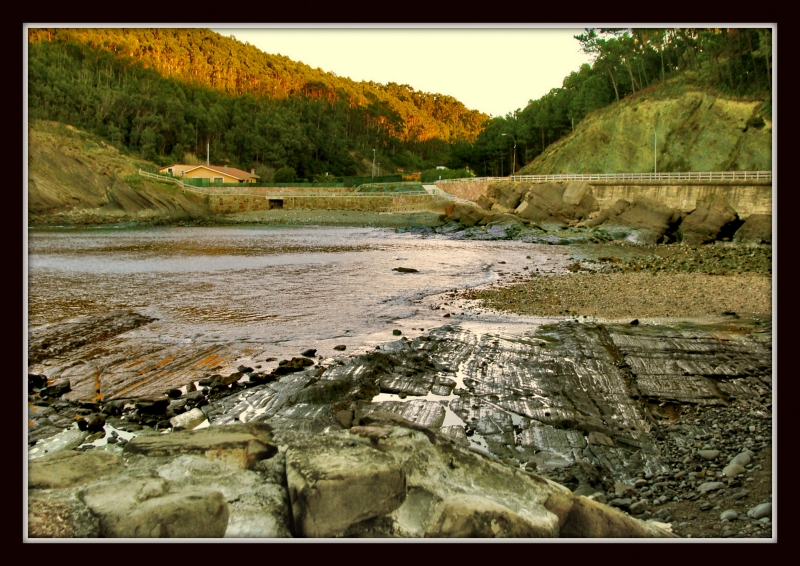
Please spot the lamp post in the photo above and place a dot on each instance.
(373, 163)
(514, 162)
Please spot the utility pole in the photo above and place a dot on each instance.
(655, 163)
(655, 155)
(373, 163)
(208, 153)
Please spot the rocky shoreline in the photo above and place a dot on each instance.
(598, 408)
(639, 403)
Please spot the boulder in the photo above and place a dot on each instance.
(757, 229)
(581, 517)
(240, 446)
(187, 420)
(57, 389)
(616, 209)
(645, 221)
(706, 222)
(69, 469)
(227, 380)
(467, 214)
(152, 507)
(60, 516)
(504, 197)
(291, 366)
(557, 203)
(389, 480)
(156, 405)
(63, 441)
(35, 382)
(473, 516)
(258, 504)
(336, 485)
(485, 202)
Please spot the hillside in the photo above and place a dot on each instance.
(205, 58)
(75, 177)
(697, 130)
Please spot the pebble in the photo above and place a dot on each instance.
(760, 511)
(729, 515)
(741, 459)
(733, 470)
(710, 486)
(740, 495)
(621, 503)
(708, 454)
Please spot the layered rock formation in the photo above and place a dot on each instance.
(384, 479)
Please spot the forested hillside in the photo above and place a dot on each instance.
(166, 92)
(724, 64)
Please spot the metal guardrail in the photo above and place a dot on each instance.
(687, 176)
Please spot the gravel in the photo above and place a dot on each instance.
(643, 295)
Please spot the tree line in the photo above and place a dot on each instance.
(734, 62)
(168, 92)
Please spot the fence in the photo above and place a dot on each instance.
(689, 176)
(370, 190)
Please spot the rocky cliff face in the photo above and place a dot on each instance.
(74, 177)
(695, 131)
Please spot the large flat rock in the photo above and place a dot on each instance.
(70, 468)
(240, 446)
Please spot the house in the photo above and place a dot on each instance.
(176, 170)
(214, 173)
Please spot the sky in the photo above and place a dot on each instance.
(496, 71)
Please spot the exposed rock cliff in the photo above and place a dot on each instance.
(74, 177)
(695, 131)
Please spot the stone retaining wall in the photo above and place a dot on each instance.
(226, 204)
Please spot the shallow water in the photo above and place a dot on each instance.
(287, 286)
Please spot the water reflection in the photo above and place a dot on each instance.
(261, 284)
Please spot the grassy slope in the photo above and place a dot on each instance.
(74, 177)
(697, 131)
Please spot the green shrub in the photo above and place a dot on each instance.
(285, 175)
(432, 175)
